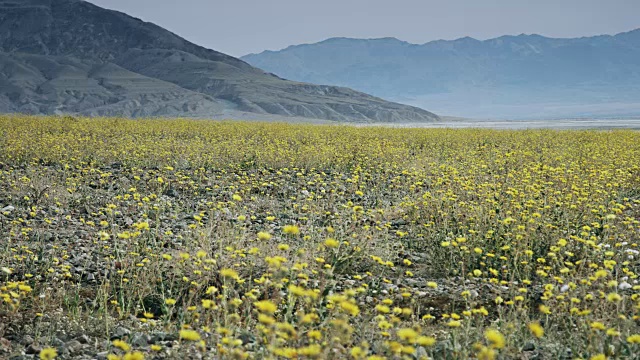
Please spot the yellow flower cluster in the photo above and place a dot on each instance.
(256, 240)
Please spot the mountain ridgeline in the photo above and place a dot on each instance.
(70, 56)
(525, 75)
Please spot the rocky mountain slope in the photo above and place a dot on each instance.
(38, 84)
(507, 75)
(70, 56)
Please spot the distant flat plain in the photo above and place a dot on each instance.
(456, 122)
(559, 124)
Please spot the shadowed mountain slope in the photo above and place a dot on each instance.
(73, 56)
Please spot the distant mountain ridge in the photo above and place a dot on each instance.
(507, 72)
(70, 56)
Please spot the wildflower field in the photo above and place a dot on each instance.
(174, 239)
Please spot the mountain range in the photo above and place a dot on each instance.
(509, 76)
(70, 56)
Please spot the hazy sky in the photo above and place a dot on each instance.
(239, 27)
